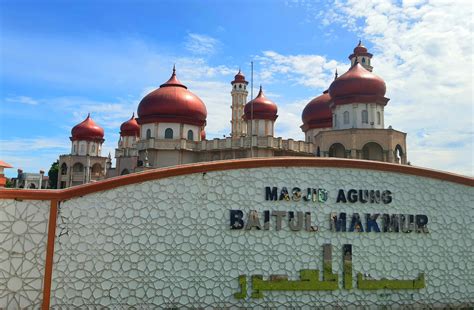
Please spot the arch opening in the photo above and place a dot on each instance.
(63, 169)
(337, 150)
(372, 151)
(78, 167)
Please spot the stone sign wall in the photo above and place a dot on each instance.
(241, 237)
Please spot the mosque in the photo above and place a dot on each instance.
(346, 121)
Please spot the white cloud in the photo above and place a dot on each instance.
(308, 70)
(22, 100)
(425, 55)
(201, 44)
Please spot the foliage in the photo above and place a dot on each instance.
(53, 175)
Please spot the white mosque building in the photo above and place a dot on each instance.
(346, 121)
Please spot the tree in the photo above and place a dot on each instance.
(9, 183)
(53, 175)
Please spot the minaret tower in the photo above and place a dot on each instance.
(239, 99)
(362, 56)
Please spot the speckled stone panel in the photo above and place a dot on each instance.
(168, 243)
(23, 235)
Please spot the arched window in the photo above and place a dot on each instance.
(63, 169)
(378, 118)
(245, 87)
(148, 133)
(235, 86)
(363, 60)
(74, 148)
(240, 85)
(190, 135)
(365, 117)
(93, 148)
(78, 167)
(96, 170)
(346, 117)
(81, 149)
(169, 133)
(335, 120)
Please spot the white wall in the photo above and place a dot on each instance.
(355, 116)
(196, 132)
(168, 242)
(145, 127)
(172, 235)
(261, 127)
(163, 126)
(82, 147)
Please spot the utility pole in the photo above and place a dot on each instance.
(251, 109)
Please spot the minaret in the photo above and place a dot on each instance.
(239, 99)
(362, 56)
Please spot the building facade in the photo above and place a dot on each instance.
(346, 121)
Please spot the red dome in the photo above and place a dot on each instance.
(358, 85)
(130, 127)
(87, 130)
(172, 103)
(360, 50)
(239, 78)
(317, 113)
(263, 108)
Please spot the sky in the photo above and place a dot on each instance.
(60, 60)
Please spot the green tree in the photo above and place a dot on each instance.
(53, 175)
(9, 183)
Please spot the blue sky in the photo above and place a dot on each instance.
(60, 60)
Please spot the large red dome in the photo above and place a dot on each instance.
(172, 103)
(263, 108)
(317, 113)
(358, 85)
(87, 130)
(130, 127)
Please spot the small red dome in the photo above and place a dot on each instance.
(203, 135)
(359, 49)
(317, 113)
(87, 130)
(239, 78)
(358, 85)
(263, 108)
(172, 103)
(130, 127)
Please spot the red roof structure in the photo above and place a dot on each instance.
(87, 130)
(263, 108)
(130, 127)
(172, 103)
(317, 113)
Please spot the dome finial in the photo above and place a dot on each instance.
(133, 115)
(360, 42)
(174, 69)
(335, 75)
(88, 115)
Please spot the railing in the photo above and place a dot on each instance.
(227, 143)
